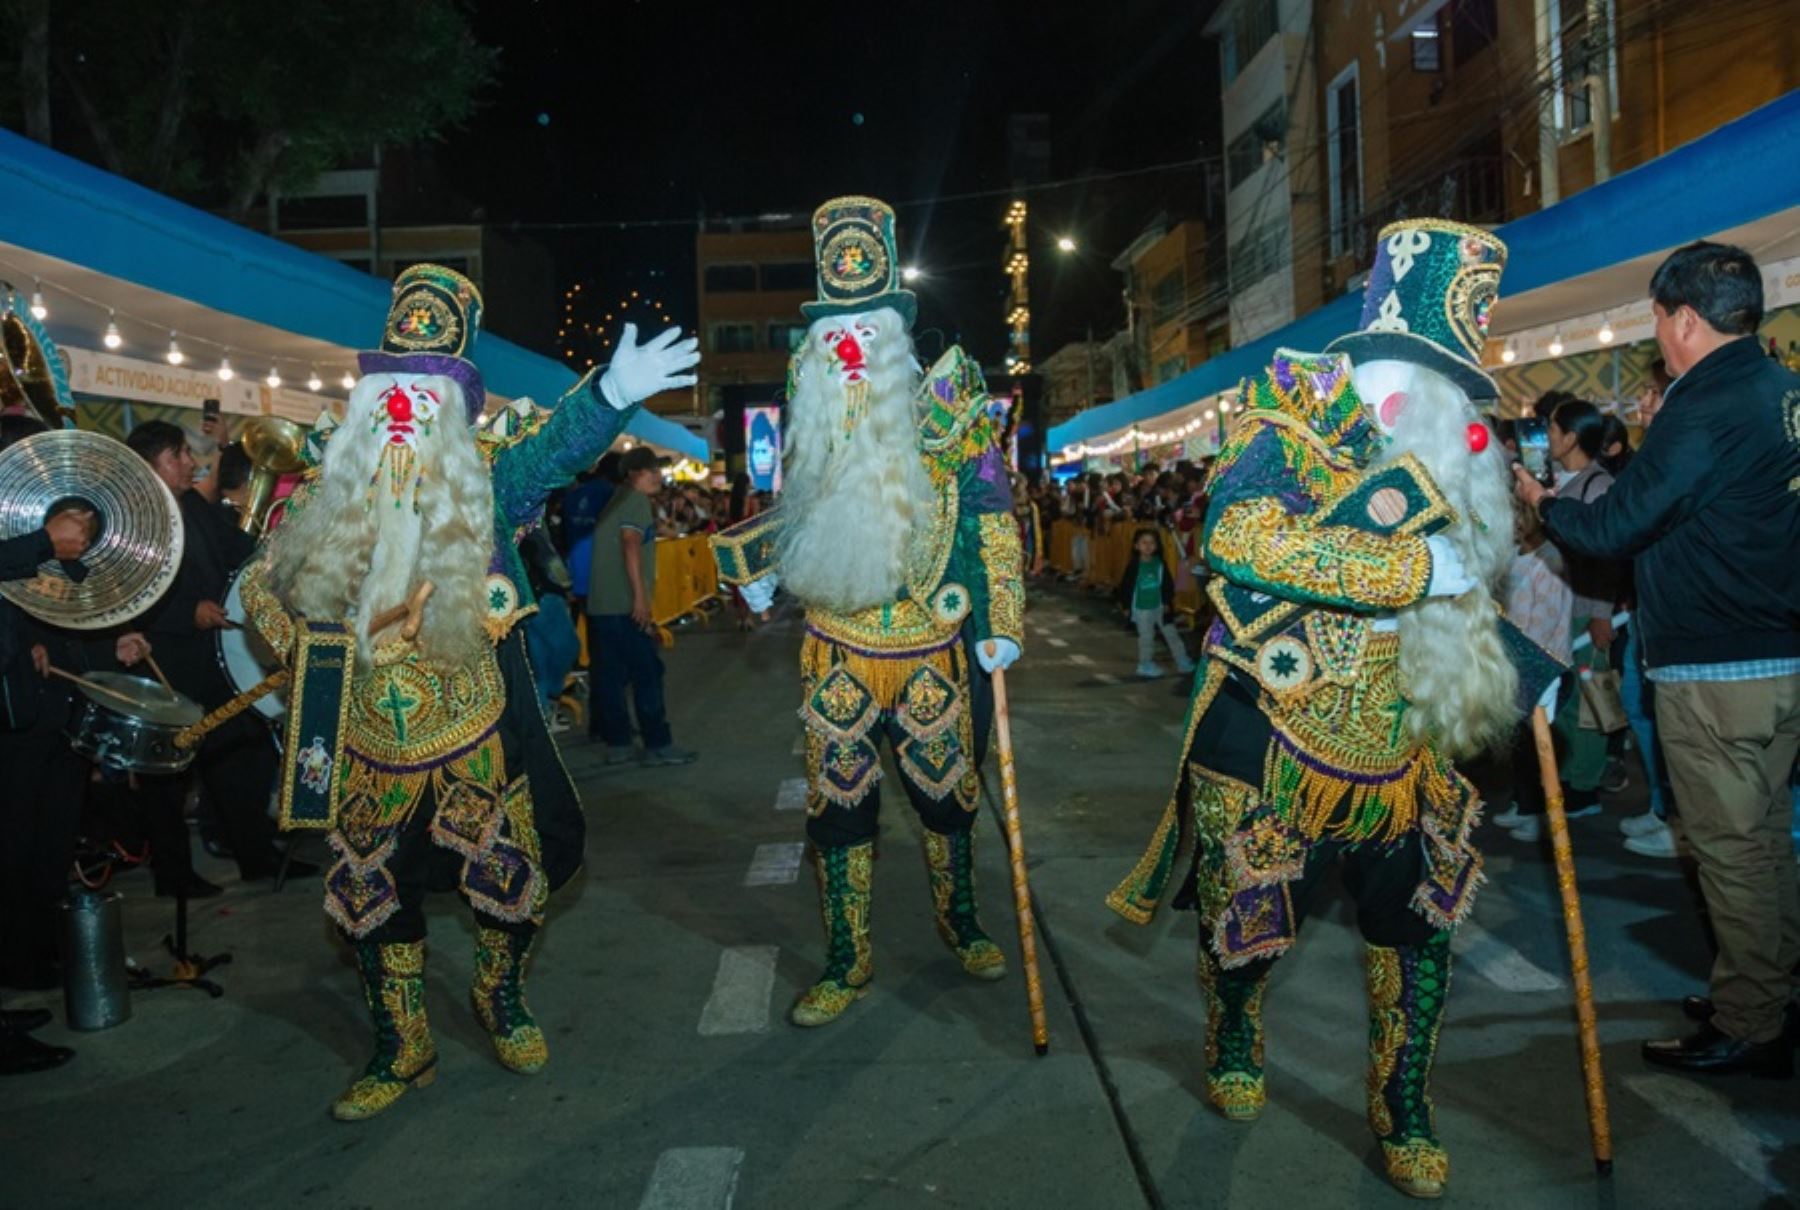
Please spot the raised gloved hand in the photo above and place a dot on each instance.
(1449, 578)
(996, 655)
(640, 371)
(760, 594)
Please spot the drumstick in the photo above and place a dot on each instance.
(157, 669)
(91, 686)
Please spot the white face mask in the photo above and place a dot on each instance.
(846, 342)
(407, 409)
(1385, 387)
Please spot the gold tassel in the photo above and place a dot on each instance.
(884, 678)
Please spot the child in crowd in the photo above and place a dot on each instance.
(1146, 591)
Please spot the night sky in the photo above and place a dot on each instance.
(651, 114)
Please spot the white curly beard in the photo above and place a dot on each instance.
(360, 547)
(1458, 679)
(852, 504)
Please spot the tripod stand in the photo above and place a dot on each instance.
(189, 970)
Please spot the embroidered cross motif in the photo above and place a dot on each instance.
(398, 706)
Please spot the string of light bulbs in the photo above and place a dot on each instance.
(174, 354)
(1135, 436)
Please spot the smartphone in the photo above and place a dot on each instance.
(1534, 446)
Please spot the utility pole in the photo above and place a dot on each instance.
(1599, 87)
(1549, 62)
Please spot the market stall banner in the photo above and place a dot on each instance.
(112, 377)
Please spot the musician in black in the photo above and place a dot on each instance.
(237, 762)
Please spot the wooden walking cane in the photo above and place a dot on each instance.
(1015, 843)
(1592, 1078)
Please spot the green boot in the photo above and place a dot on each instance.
(1234, 1036)
(1408, 987)
(393, 978)
(951, 862)
(844, 876)
(498, 994)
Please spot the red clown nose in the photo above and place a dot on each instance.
(849, 352)
(399, 407)
(1478, 436)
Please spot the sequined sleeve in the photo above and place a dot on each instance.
(745, 553)
(266, 615)
(1002, 594)
(549, 454)
(1260, 544)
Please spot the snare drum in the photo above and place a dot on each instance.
(135, 731)
(243, 656)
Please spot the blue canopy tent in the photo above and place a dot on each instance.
(60, 207)
(1744, 171)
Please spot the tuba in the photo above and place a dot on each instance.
(275, 448)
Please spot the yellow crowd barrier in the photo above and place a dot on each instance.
(1109, 552)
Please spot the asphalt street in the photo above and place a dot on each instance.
(675, 1082)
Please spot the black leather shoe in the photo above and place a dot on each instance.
(21, 1054)
(24, 1020)
(1710, 1052)
(1700, 1008)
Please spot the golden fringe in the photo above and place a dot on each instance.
(1321, 803)
(885, 676)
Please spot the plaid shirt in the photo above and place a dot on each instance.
(1743, 670)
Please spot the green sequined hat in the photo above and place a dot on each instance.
(1430, 291)
(859, 269)
(431, 329)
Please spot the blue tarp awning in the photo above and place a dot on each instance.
(1743, 171)
(61, 207)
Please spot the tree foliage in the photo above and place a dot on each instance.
(220, 101)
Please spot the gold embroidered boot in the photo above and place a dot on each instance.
(951, 862)
(844, 876)
(1234, 1036)
(498, 994)
(1408, 987)
(393, 978)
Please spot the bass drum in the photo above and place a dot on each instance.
(245, 658)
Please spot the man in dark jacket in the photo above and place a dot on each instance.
(1710, 510)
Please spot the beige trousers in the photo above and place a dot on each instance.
(1730, 748)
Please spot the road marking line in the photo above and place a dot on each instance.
(775, 864)
(690, 1178)
(1499, 963)
(1079, 658)
(1106, 678)
(1708, 1116)
(739, 1003)
(799, 748)
(1178, 730)
(791, 795)
(1057, 642)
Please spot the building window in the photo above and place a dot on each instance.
(787, 275)
(1574, 54)
(1254, 23)
(1258, 254)
(730, 279)
(1474, 26)
(1172, 367)
(1344, 154)
(733, 338)
(786, 337)
(1167, 297)
(1261, 141)
(1428, 43)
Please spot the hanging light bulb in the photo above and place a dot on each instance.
(1556, 344)
(1509, 354)
(313, 381)
(274, 378)
(112, 339)
(175, 356)
(1605, 334)
(348, 381)
(39, 311)
(226, 373)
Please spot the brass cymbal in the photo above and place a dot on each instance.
(134, 557)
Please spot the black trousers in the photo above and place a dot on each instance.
(238, 765)
(839, 825)
(1233, 739)
(40, 816)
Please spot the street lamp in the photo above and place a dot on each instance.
(1065, 243)
(910, 273)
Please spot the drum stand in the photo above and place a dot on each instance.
(189, 969)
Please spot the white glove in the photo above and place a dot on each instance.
(1449, 578)
(996, 655)
(640, 371)
(759, 594)
(1547, 702)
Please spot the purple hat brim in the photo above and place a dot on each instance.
(463, 372)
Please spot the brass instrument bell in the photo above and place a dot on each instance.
(275, 448)
(26, 377)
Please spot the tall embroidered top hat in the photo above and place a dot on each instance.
(1428, 298)
(431, 329)
(859, 268)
